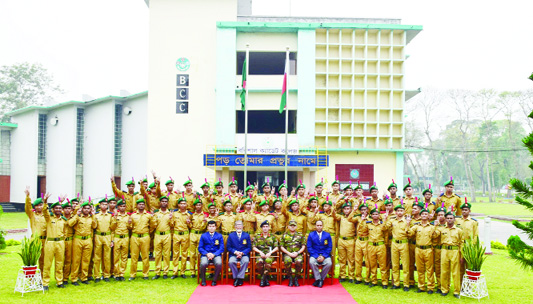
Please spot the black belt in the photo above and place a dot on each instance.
(278, 233)
(54, 239)
(424, 247)
(412, 242)
(121, 236)
(43, 237)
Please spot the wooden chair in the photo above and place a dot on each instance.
(210, 269)
(309, 271)
(276, 269)
(304, 267)
(229, 273)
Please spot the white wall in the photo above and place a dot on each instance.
(98, 157)
(61, 152)
(134, 145)
(24, 155)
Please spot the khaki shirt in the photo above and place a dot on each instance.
(329, 219)
(451, 236)
(408, 204)
(376, 232)
(103, 221)
(198, 222)
(161, 221)
(280, 224)
(248, 220)
(140, 222)
(469, 226)
(83, 225)
(37, 221)
(437, 241)
(213, 218)
(190, 198)
(347, 226)
(130, 199)
(449, 201)
(227, 221)
(152, 201)
(172, 198)
(301, 221)
(235, 199)
(424, 234)
(119, 224)
(56, 226)
(398, 227)
(179, 220)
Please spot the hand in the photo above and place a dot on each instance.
(320, 259)
(170, 215)
(438, 200)
(255, 185)
(273, 190)
(276, 215)
(153, 173)
(241, 193)
(293, 191)
(47, 195)
(112, 244)
(268, 255)
(263, 256)
(79, 212)
(432, 215)
(27, 191)
(408, 219)
(294, 254)
(188, 220)
(112, 178)
(129, 220)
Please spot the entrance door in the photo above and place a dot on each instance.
(276, 178)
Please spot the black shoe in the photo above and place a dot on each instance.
(113, 276)
(90, 279)
(117, 279)
(371, 285)
(122, 279)
(241, 281)
(214, 283)
(384, 286)
(366, 283)
(45, 288)
(411, 286)
(358, 282)
(145, 278)
(315, 283)
(85, 282)
(395, 287)
(193, 276)
(131, 279)
(267, 283)
(350, 281)
(106, 279)
(76, 284)
(235, 282)
(457, 296)
(342, 280)
(296, 284)
(291, 281)
(97, 280)
(165, 277)
(204, 283)
(262, 283)
(438, 291)
(419, 290)
(173, 277)
(444, 294)
(65, 283)
(320, 284)
(183, 276)
(155, 277)
(406, 289)
(60, 286)
(430, 291)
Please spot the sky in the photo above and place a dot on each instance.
(100, 47)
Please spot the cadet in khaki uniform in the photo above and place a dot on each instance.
(319, 188)
(234, 196)
(129, 197)
(56, 227)
(292, 245)
(389, 212)
(346, 197)
(393, 189)
(408, 199)
(83, 223)
(69, 233)
(227, 220)
(312, 207)
(376, 250)
(335, 196)
(121, 240)
(172, 195)
(424, 233)
(198, 224)
(361, 245)
(218, 197)
(415, 220)
(440, 223)
(280, 220)
(139, 224)
(265, 245)
(206, 196)
(189, 195)
(181, 220)
(449, 198)
(374, 199)
(452, 240)
(470, 229)
(34, 211)
(329, 219)
(162, 223)
(399, 249)
(212, 215)
(150, 197)
(267, 195)
(300, 196)
(295, 213)
(428, 204)
(247, 216)
(102, 242)
(346, 244)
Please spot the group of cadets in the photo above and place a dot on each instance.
(388, 233)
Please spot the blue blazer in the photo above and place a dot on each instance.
(316, 247)
(213, 245)
(234, 244)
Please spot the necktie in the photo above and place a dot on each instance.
(211, 235)
(239, 236)
(320, 236)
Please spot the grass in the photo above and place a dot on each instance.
(13, 220)
(506, 281)
(505, 209)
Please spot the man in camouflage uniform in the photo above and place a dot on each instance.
(293, 245)
(264, 245)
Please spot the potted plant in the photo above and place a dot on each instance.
(474, 255)
(30, 253)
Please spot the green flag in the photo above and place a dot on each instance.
(243, 92)
(283, 103)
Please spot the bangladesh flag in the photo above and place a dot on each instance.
(243, 92)
(283, 103)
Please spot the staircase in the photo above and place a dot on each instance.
(9, 207)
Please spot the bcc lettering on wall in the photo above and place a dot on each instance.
(182, 94)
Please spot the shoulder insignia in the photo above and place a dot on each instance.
(124, 191)
(473, 219)
(234, 213)
(434, 203)
(220, 213)
(432, 223)
(109, 212)
(321, 212)
(98, 212)
(442, 194)
(156, 210)
(177, 209)
(64, 218)
(368, 222)
(187, 211)
(135, 193)
(357, 215)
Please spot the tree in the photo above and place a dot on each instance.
(25, 84)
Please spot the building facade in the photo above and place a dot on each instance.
(346, 95)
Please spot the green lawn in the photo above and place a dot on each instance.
(505, 209)
(13, 220)
(507, 283)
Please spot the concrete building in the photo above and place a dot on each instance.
(346, 102)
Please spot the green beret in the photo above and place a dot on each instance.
(362, 205)
(399, 206)
(427, 190)
(450, 182)
(393, 184)
(246, 201)
(189, 181)
(277, 200)
(145, 180)
(163, 197)
(358, 186)
(265, 184)
(130, 183)
(424, 210)
(419, 204)
(336, 182)
(75, 199)
(170, 181)
(442, 208)
(85, 204)
(66, 204)
(265, 222)
(374, 187)
(262, 203)
(181, 199)
(121, 202)
(326, 202)
(102, 201)
(197, 201)
(292, 203)
(249, 188)
(375, 210)
(211, 205)
(450, 213)
(152, 185)
(300, 186)
(407, 186)
(37, 202)
(282, 186)
(233, 182)
(206, 184)
(141, 200)
(312, 198)
(227, 202)
(466, 205)
(348, 187)
(388, 201)
(347, 204)
(293, 223)
(219, 183)
(55, 204)
(112, 199)
(319, 185)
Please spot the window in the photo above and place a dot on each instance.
(261, 122)
(80, 126)
(5, 152)
(266, 63)
(41, 138)
(118, 140)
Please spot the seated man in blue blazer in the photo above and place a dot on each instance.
(319, 248)
(211, 247)
(239, 246)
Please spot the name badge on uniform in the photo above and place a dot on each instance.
(244, 242)
(325, 242)
(216, 242)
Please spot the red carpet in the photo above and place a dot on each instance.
(222, 294)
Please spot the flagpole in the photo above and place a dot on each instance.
(287, 68)
(246, 118)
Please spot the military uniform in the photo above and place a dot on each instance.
(346, 245)
(162, 224)
(452, 240)
(279, 225)
(172, 196)
(56, 227)
(37, 224)
(121, 240)
(102, 244)
(67, 262)
(437, 247)
(180, 240)
(248, 220)
(151, 199)
(399, 249)
(198, 224)
(140, 241)
(449, 201)
(412, 251)
(292, 243)
(129, 199)
(470, 229)
(424, 234)
(227, 224)
(361, 245)
(82, 246)
(235, 198)
(376, 250)
(265, 244)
